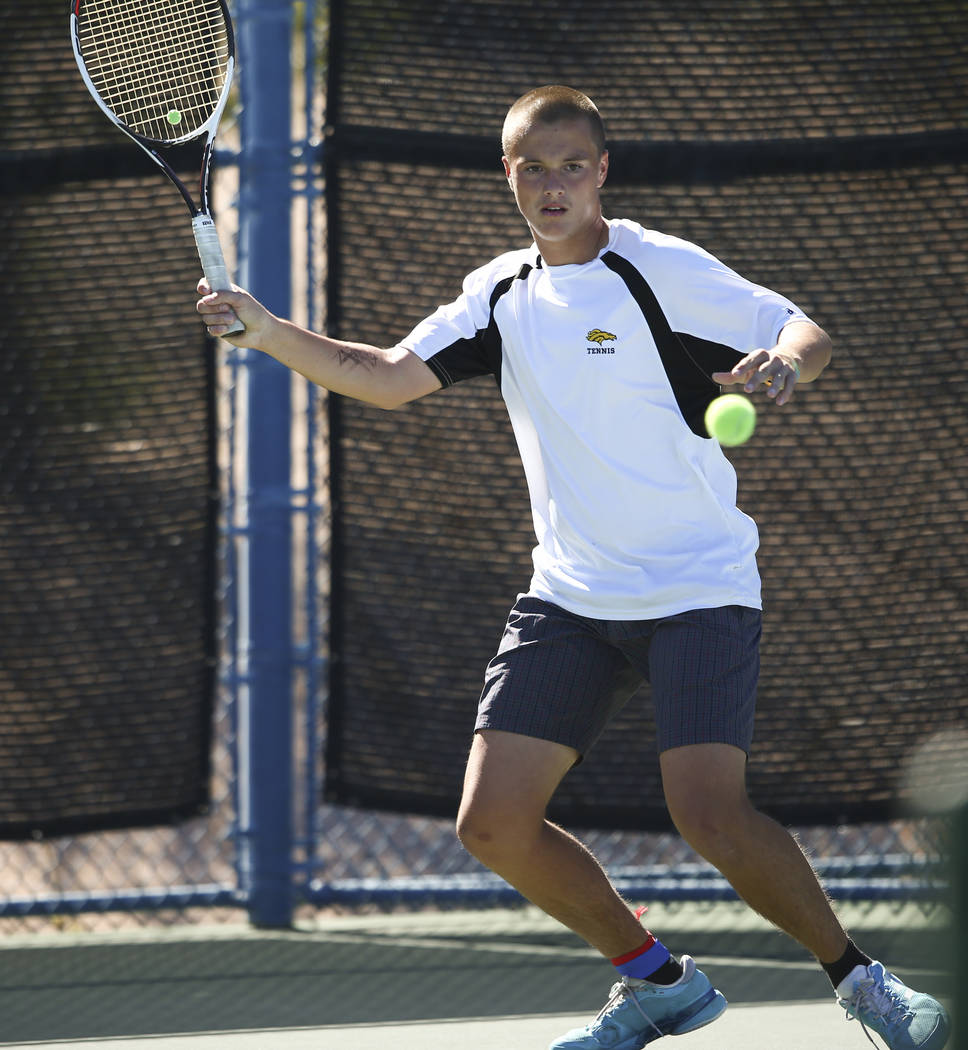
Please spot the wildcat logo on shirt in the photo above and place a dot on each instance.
(596, 335)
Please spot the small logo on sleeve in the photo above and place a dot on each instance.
(600, 338)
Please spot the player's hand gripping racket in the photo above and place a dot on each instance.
(161, 71)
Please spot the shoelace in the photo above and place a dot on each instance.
(621, 990)
(875, 996)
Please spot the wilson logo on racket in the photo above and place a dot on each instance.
(596, 335)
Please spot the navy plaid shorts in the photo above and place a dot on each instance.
(562, 677)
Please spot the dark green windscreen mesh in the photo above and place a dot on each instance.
(818, 147)
(106, 464)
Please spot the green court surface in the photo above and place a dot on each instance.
(482, 980)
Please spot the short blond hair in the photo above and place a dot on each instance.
(549, 105)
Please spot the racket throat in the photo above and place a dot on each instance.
(204, 178)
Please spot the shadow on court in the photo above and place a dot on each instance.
(384, 969)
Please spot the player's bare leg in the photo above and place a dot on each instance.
(706, 793)
(507, 786)
(705, 786)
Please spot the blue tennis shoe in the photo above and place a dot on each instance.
(638, 1012)
(903, 1018)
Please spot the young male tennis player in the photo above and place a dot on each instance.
(644, 567)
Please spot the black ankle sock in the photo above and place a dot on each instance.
(852, 957)
(668, 973)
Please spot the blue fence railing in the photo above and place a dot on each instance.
(268, 845)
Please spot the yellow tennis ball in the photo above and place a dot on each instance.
(731, 419)
(174, 117)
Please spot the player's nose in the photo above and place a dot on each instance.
(554, 187)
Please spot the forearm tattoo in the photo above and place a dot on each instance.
(351, 355)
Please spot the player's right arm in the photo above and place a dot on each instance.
(386, 378)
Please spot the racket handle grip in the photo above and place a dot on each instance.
(213, 262)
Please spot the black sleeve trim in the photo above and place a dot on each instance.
(481, 354)
(460, 360)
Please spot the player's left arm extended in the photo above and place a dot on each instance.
(801, 353)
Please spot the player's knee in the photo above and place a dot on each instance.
(712, 823)
(494, 834)
(475, 837)
(482, 832)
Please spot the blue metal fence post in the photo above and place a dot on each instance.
(265, 594)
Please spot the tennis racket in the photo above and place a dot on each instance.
(161, 71)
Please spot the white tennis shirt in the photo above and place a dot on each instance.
(605, 369)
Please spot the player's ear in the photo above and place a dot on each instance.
(507, 167)
(603, 169)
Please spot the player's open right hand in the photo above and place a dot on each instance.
(219, 309)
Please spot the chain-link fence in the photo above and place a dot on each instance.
(346, 858)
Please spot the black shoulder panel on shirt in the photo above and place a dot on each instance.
(688, 360)
(479, 355)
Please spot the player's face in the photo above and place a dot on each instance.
(556, 172)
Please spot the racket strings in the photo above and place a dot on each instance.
(159, 65)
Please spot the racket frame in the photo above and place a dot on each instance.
(203, 225)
